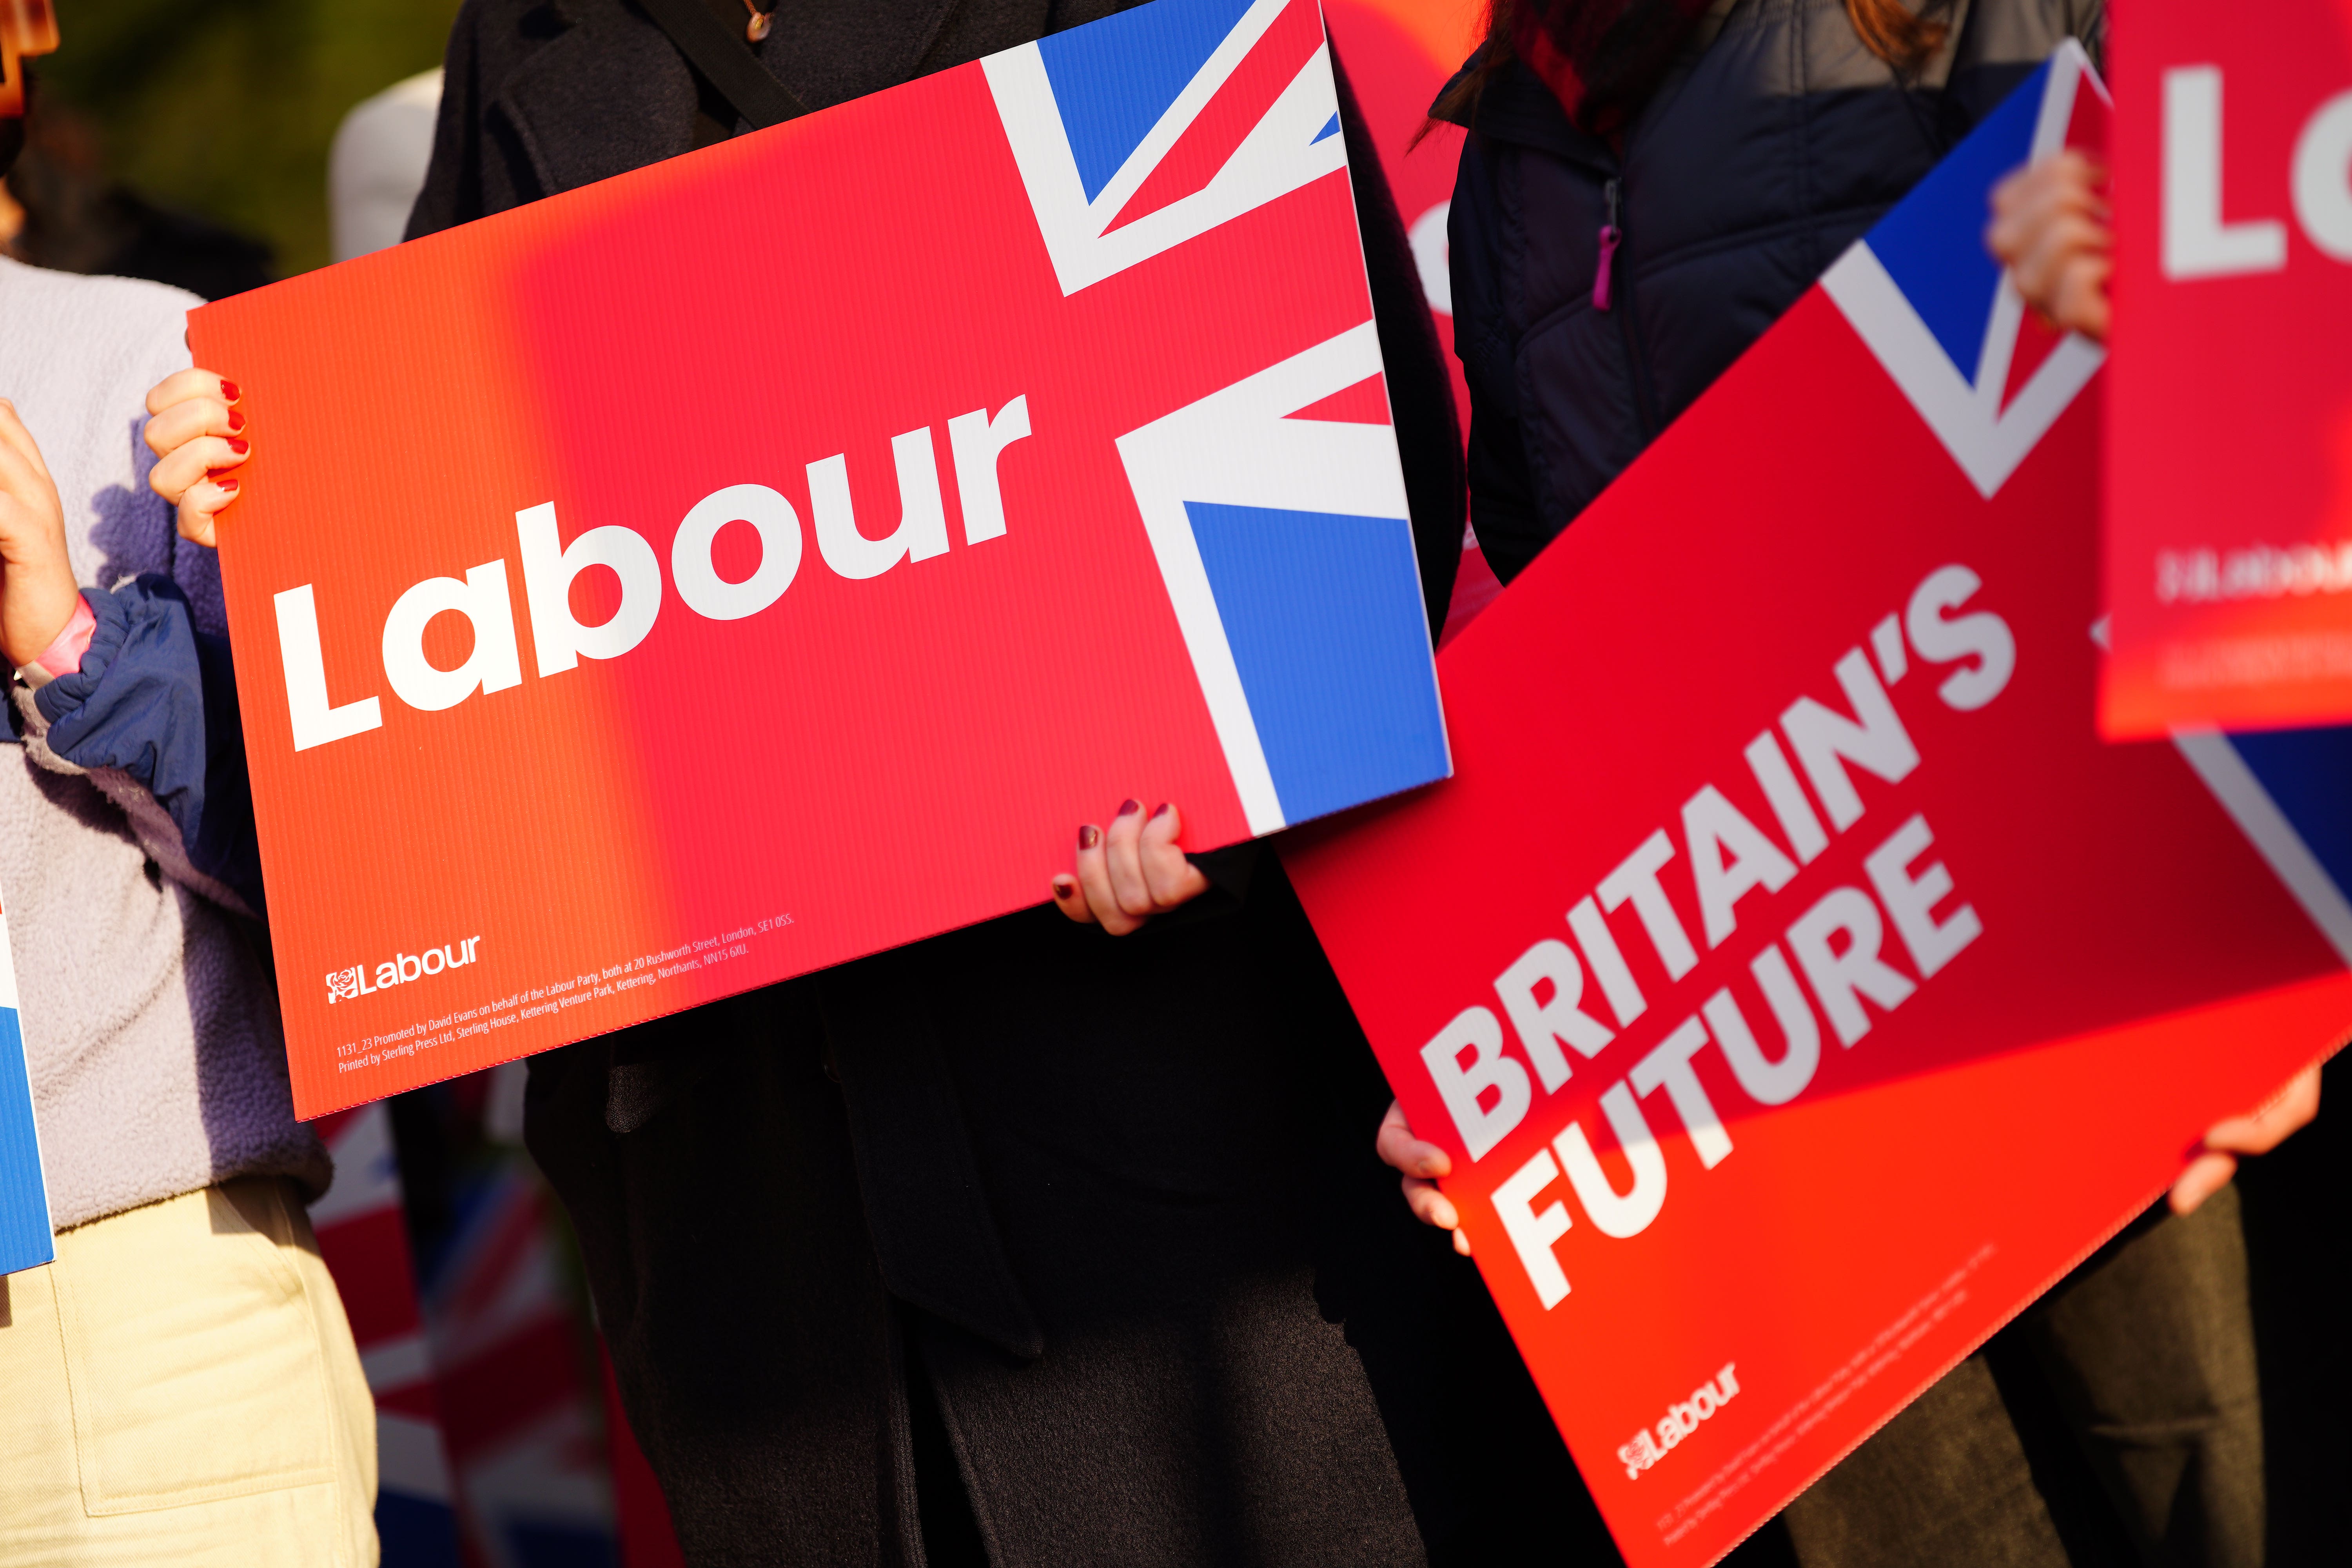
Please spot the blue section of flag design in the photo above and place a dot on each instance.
(1932, 243)
(1323, 613)
(23, 1203)
(2308, 774)
(1287, 551)
(1114, 79)
(1938, 312)
(416, 1532)
(1094, 113)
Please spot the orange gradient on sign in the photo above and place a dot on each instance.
(1447, 30)
(299, 395)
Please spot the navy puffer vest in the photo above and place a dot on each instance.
(1766, 151)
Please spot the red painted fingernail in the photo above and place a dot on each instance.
(239, 445)
(1063, 890)
(1130, 809)
(229, 392)
(1165, 807)
(225, 487)
(1089, 836)
(236, 419)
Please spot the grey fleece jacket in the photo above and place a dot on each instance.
(150, 1026)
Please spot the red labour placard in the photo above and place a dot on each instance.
(1798, 982)
(2228, 499)
(772, 556)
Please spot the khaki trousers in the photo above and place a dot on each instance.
(180, 1387)
(2149, 1351)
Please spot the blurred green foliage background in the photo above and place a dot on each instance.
(226, 107)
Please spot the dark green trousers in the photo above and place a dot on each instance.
(2142, 1361)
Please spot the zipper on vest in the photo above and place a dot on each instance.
(1609, 292)
(1610, 236)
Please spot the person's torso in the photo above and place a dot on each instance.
(149, 1022)
(1171, 1056)
(563, 93)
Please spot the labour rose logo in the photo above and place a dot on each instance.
(1680, 1419)
(343, 984)
(1639, 1454)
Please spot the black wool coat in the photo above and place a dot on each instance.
(1024, 1240)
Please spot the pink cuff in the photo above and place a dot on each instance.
(63, 657)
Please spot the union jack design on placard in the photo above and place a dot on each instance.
(1278, 519)
(363, 1239)
(1940, 314)
(1276, 507)
(1154, 126)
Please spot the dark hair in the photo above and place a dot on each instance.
(1459, 101)
(1888, 29)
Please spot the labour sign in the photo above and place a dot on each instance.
(2229, 511)
(772, 556)
(1797, 981)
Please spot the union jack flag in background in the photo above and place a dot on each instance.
(490, 1439)
(363, 1239)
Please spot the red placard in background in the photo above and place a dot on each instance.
(2229, 477)
(1798, 982)
(1398, 53)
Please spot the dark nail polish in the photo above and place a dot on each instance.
(1130, 809)
(229, 392)
(225, 487)
(236, 419)
(1089, 836)
(238, 445)
(1165, 807)
(1063, 890)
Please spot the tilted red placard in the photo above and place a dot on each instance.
(1800, 983)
